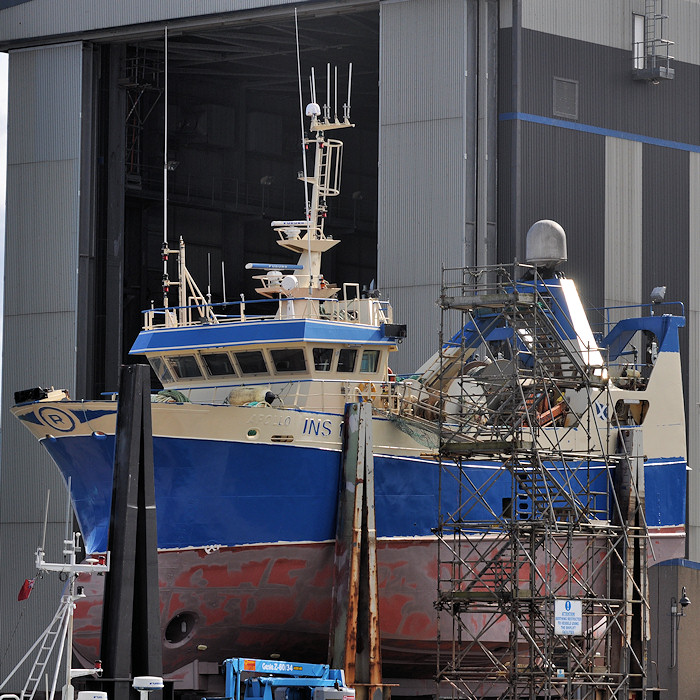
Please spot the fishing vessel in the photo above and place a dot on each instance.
(247, 433)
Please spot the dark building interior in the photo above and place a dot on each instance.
(234, 154)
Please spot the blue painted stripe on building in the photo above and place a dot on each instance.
(600, 131)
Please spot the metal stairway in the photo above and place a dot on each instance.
(522, 390)
(55, 632)
(506, 564)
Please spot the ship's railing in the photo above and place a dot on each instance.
(474, 417)
(314, 394)
(372, 312)
(610, 315)
(637, 357)
(514, 283)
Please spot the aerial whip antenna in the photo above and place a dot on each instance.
(301, 118)
(46, 519)
(66, 536)
(307, 204)
(209, 277)
(347, 106)
(335, 92)
(164, 248)
(223, 280)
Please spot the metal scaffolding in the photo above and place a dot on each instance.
(542, 589)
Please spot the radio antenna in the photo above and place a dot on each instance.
(68, 518)
(164, 248)
(347, 106)
(209, 277)
(223, 280)
(335, 91)
(46, 519)
(301, 119)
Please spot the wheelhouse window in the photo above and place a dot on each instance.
(161, 369)
(289, 360)
(323, 357)
(218, 364)
(346, 360)
(370, 361)
(251, 362)
(184, 366)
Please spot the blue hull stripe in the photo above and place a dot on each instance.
(232, 493)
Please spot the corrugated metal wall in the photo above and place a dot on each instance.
(423, 96)
(623, 168)
(427, 169)
(38, 18)
(623, 222)
(43, 183)
(693, 334)
(610, 23)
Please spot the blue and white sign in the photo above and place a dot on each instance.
(568, 617)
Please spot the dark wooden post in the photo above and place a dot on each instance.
(354, 639)
(131, 639)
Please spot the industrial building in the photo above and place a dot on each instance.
(475, 118)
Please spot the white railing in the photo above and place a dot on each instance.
(371, 312)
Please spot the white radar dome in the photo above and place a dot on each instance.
(147, 683)
(312, 109)
(92, 695)
(290, 282)
(545, 244)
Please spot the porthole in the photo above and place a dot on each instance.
(181, 628)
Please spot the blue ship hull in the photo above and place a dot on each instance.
(233, 493)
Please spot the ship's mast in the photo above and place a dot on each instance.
(307, 237)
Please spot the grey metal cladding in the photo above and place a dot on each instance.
(506, 232)
(693, 363)
(426, 113)
(42, 248)
(607, 23)
(623, 222)
(104, 18)
(48, 114)
(422, 59)
(43, 162)
(421, 175)
(425, 205)
(666, 220)
(43, 189)
(563, 179)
